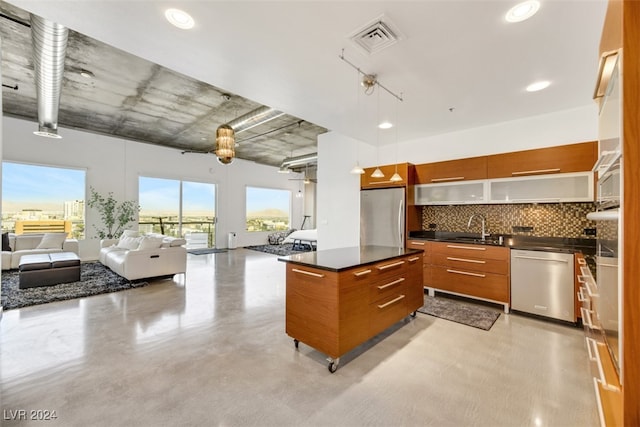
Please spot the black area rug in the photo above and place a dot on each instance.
(204, 251)
(281, 250)
(95, 279)
(460, 312)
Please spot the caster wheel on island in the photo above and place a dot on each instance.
(332, 367)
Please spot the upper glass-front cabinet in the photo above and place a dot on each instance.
(566, 187)
(454, 193)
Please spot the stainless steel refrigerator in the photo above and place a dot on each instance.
(382, 217)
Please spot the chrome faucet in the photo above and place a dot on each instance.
(482, 218)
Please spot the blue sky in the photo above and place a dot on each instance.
(163, 195)
(40, 187)
(266, 198)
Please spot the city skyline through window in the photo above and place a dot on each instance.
(45, 195)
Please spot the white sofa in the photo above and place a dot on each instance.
(138, 257)
(29, 244)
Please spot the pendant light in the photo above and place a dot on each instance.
(377, 173)
(357, 169)
(225, 144)
(396, 176)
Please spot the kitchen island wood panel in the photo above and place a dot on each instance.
(334, 303)
(424, 245)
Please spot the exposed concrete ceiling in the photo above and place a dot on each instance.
(135, 99)
(458, 63)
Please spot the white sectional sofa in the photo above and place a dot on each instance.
(30, 244)
(138, 257)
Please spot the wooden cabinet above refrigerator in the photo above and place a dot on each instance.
(405, 170)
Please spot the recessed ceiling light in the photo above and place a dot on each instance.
(522, 11)
(86, 74)
(385, 125)
(534, 87)
(179, 18)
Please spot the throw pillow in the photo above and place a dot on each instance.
(130, 233)
(130, 243)
(52, 241)
(150, 242)
(5, 242)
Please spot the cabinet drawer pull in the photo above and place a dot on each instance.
(466, 273)
(581, 296)
(393, 301)
(416, 243)
(453, 178)
(471, 248)
(585, 271)
(395, 282)
(602, 264)
(395, 264)
(308, 273)
(586, 318)
(542, 259)
(382, 182)
(592, 348)
(536, 171)
(591, 293)
(362, 273)
(582, 261)
(475, 261)
(414, 259)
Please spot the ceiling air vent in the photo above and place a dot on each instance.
(376, 36)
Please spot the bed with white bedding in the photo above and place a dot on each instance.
(303, 237)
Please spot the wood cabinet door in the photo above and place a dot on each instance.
(471, 168)
(490, 286)
(560, 159)
(367, 181)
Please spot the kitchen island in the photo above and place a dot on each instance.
(337, 299)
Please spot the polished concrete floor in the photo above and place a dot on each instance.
(213, 352)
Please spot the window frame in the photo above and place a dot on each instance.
(246, 207)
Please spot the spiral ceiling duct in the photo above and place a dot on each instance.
(49, 43)
(254, 118)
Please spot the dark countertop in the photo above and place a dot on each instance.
(532, 243)
(344, 258)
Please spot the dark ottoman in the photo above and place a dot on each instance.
(48, 269)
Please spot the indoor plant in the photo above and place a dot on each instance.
(116, 216)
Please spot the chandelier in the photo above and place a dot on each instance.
(225, 144)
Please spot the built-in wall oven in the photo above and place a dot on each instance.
(606, 287)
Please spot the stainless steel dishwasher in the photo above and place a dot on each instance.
(542, 283)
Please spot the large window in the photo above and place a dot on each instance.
(38, 199)
(178, 208)
(268, 209)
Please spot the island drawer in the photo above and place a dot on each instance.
(386, 312)
(384, 289)
(390, 268)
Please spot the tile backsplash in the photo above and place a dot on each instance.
(531, 219)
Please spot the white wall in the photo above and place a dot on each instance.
(338, 198)
(559, 128)
(338, 192)
(114, 165)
